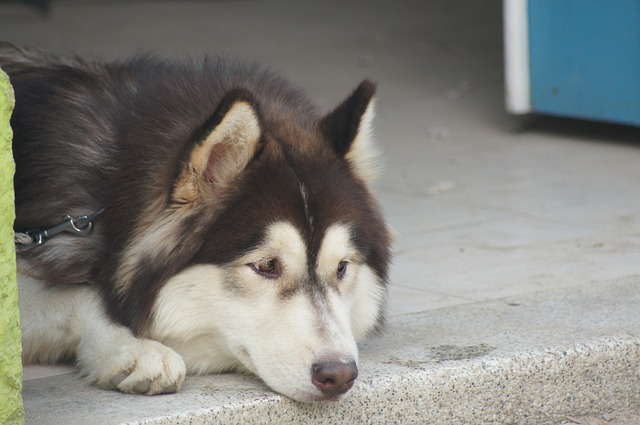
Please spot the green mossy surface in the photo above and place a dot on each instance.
(11, 408)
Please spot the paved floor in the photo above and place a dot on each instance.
(485, 205)
(543, 358)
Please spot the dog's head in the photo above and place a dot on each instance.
(292, 252)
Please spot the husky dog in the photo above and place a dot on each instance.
(233, 225)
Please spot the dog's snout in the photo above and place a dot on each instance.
(334, 378)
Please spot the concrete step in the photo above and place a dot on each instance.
(542, 358)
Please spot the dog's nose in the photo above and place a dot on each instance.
(334, 378)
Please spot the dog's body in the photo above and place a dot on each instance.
(235, 231)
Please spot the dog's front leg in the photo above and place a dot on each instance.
(65, 321)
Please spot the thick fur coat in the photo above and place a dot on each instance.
(237, 229)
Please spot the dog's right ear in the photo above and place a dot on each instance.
(224, 147)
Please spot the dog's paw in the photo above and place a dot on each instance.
(142, 367)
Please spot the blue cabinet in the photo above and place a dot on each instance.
(575, 58)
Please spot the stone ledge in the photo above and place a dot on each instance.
(535, 358)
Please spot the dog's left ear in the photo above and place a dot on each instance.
(349, 129)
(225, 145)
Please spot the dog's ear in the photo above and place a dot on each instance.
(349, 129)
(224, 146)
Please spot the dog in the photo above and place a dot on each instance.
(214, 221)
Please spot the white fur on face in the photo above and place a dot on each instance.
(230, 317)
(362, 290)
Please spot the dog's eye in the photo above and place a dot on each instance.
(342, 269)
(268, 267)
